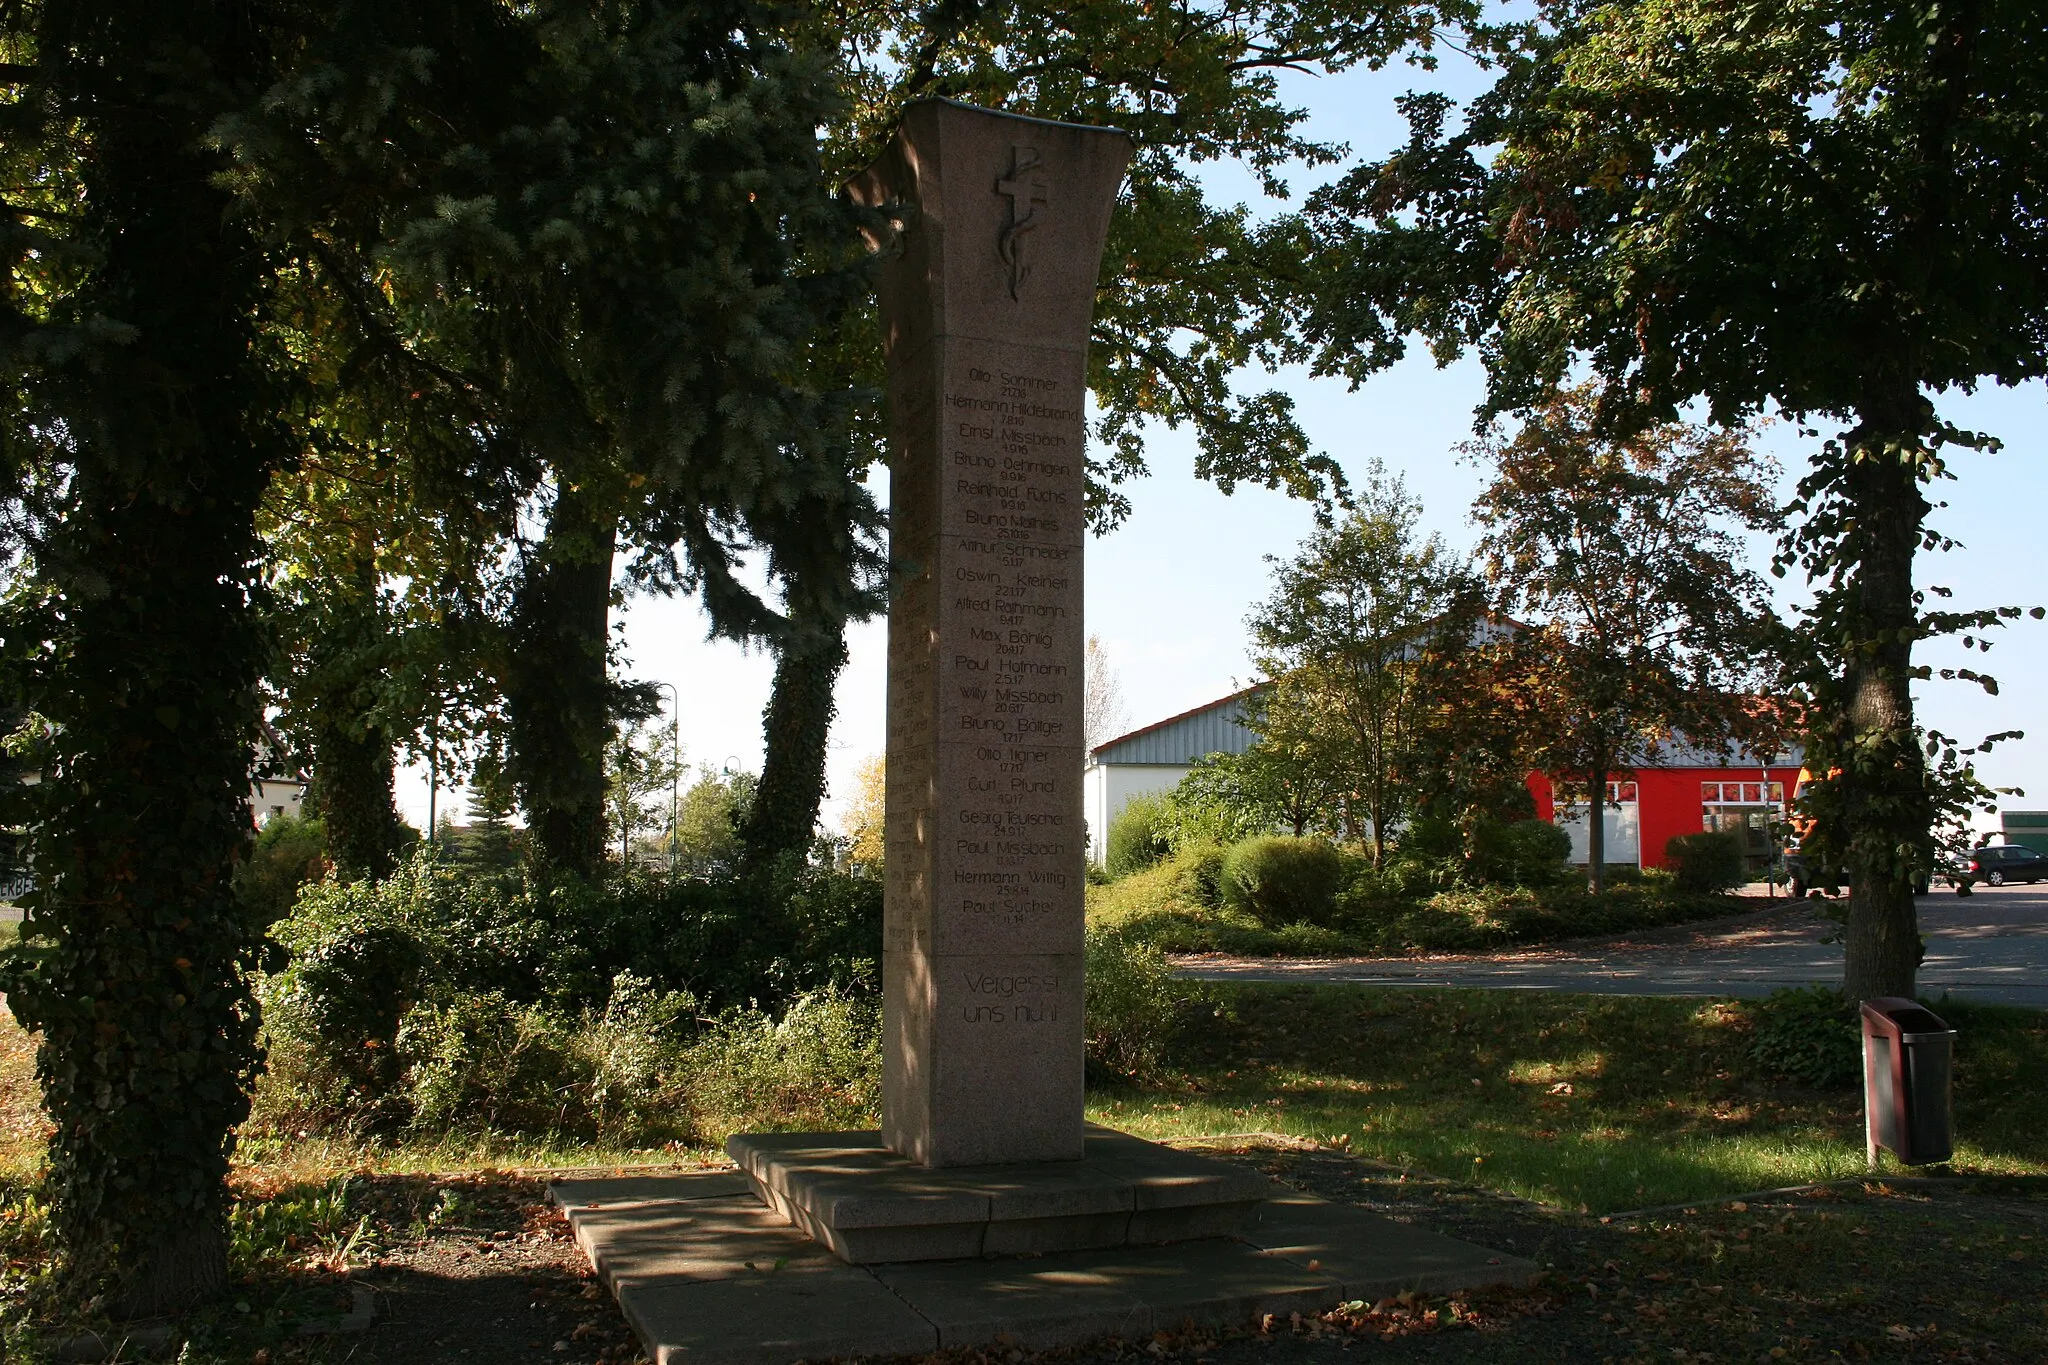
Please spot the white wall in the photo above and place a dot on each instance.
(1623, 828)
(1109, 786)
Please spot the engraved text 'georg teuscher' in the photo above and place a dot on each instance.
(1026, 188)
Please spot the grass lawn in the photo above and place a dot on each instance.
(1591, 1103)
(1452, 1109)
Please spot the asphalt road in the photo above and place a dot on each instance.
(1992, 946)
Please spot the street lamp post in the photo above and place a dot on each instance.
(675, 770)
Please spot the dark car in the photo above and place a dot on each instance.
(1997, 864)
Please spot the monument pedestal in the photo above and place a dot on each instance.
(850, 1193)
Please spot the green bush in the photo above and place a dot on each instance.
(1137, 836)
(1280, 880)
(816, 1068)
(288, 853)
(1808, 1034)
(1520, 853)
(445, 996)
(1135, 1005)
(1705, 862)
(1201, 868)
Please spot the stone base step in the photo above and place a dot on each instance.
(707, 1275)
(870, 1205)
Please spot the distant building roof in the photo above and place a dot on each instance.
(1215, 727)
(1218, 727)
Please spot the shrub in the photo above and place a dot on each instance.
(817, 1068)
(1808, 1034)
(288, 853)
(441, 996)
(1200, 867)
(1521, 853)
(1137, 836)
(1706, 862)
(1135, 1005)
(1280, 880)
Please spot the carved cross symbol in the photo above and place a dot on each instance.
(1026, 192)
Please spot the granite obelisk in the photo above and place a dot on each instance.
(986, 302)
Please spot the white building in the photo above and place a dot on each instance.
(1155, 759)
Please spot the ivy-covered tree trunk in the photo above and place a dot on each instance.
(1884, 803)
(148, 1029)
(352, 793)
(555, 684)
(795, 726)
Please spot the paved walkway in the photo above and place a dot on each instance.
(1992, 946)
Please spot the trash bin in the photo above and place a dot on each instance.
(1907, 1064)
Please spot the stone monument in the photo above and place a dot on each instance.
(985, 319)
(986, 301)
(865, 1246)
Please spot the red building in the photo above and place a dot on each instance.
(1684, 792)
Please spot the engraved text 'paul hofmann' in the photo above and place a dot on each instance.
(1027, 190)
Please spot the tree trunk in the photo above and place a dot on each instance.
(556, 687)
(142, 997)
(352, 794)
(795, 726)
(1596, 827)
(1886, 812)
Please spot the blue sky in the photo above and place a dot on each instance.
(1168, 592)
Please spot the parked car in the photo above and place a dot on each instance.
(1997, 864)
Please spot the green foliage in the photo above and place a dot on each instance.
(642, 768)
(288, 853)
(1523, 853)
(1809, 1034)
(709, 822)
(1136, 1008)
(440, 996)
(1279, 880)
(1138, 835)
(1706, 862)
(142, 429)
(1197, 294)
(816, 1068)
(1225, 798)
(1780, 210)
(1376, 914)
(1342, 638)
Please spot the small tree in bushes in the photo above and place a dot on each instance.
(1707, 862)
(1280, 880)
(1520, 853)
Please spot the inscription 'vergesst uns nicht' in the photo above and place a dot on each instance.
(986, 300)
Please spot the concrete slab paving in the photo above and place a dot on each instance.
(710, 1278)
(775, 1319)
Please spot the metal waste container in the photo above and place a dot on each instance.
(1908, 1061)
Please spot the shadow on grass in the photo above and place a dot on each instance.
(1598, 1103)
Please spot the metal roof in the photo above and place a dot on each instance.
(1218, 728)
(1215, 728)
